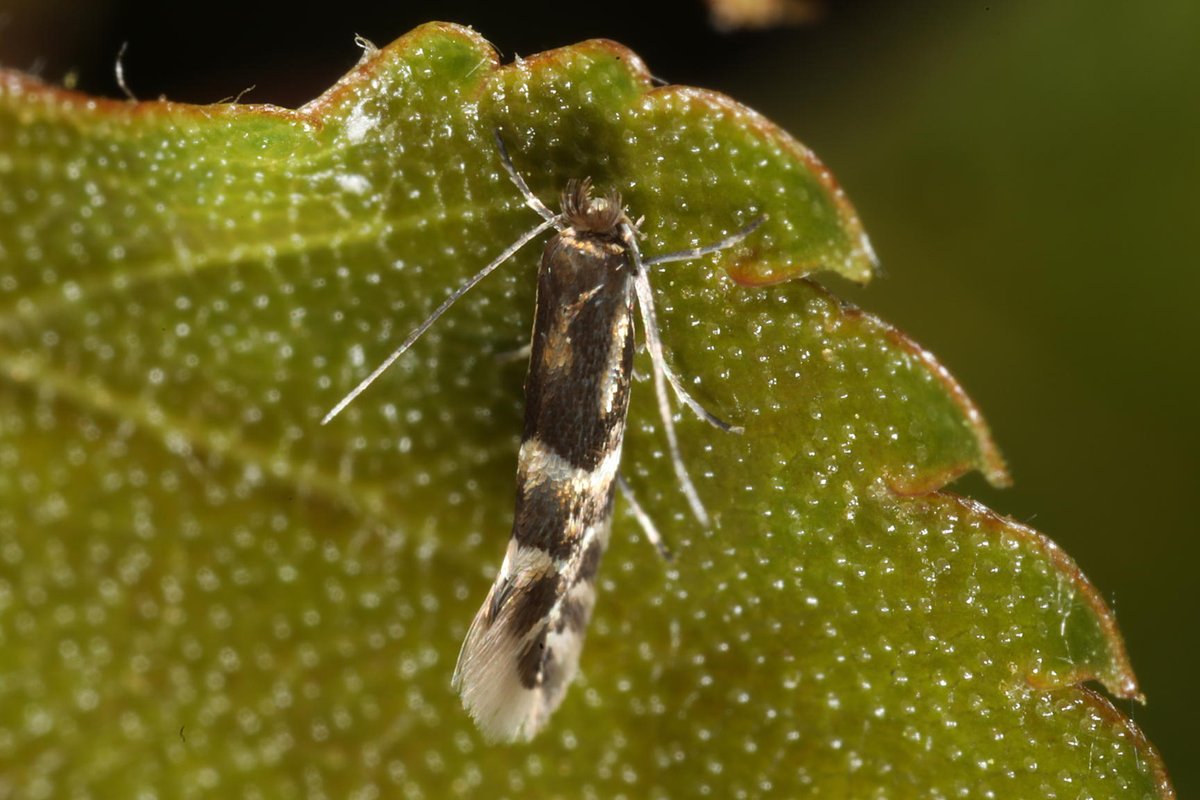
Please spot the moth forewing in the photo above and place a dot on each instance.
(523, 647)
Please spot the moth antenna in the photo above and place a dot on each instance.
(641, 283)
(715, 247)
(525, 238)
(531, 199)
(648, 527)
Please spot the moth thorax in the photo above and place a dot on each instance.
(593, 214)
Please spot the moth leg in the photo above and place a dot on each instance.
(645, 301)
(672, 378)
(648, 527)
(519, 354)
(692, 403)
(708, 249)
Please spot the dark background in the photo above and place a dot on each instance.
(1029, 173)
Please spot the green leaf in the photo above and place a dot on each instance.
(204, 592)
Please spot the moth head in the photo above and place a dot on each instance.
(583, 212)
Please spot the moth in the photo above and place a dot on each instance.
(522, 649)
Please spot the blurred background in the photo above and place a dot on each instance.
(1029, 172)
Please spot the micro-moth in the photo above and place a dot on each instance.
(522, 649)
